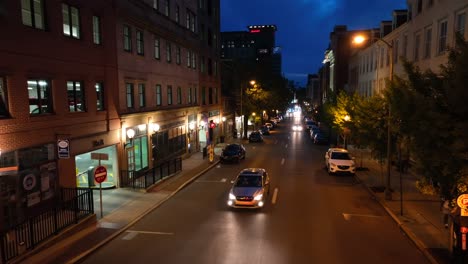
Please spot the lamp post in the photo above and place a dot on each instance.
(346, 119)
(243, 128)
(359, 40)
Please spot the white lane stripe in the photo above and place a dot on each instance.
(223, 180)
(275, 195)
(216, 181)
(129, 236)
(282, 161)
(348, 216)
(149, 232)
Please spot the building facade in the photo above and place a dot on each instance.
(113, 83)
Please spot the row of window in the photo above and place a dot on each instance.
(209, 66)
(191, 95)
(370, 62)
(164, 7)
(40, 97)
(33, 15)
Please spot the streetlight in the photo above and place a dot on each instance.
(252, 82)
(359, 39)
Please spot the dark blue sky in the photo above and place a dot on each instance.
(304, 26)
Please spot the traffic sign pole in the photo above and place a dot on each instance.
(100, 175)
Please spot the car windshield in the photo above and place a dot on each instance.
(340, 156)
(232, 147)
(249, 181)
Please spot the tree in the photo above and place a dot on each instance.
(430, 111)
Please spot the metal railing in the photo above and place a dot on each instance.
(71, 205)
(146, 178)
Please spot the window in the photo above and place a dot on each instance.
(395, 51)
(210, 67)
(178, 55)
(195, 95)
(203, 95)
(3, 98)
(177, 14)
(427, 43)
(202, 64)
(71, 21)
(187, 24)
(210, 95)
(130, 96)
(189, 95)
(156, 4)
(382, 57)
(100, 106)
(405, 46)
(141, 95)
(209, 37)
(168, 52)
(194, 60)
(216, 67)
(140, 147)
(157, 49)
(179, 95)
(127, 34)
(419, 6)
(442, 36)
(216, 95)
(460, 26)
(40, 99)
(97, 30)
(158, 94)
(140, 42)
(417, 43)
(192, 22)
(189, 59)
(169, 95)
(76, 97)
(32, 13)
(166, 8)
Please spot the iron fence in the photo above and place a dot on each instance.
(70, 206)
(146, 178)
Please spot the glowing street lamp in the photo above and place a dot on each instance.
(358, 40)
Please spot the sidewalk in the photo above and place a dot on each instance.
(418, 215)
(129, 206)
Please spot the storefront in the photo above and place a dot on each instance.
(28, 178)
(86, 164)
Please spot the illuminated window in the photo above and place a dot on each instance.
(169, 95)
(442, 36)
(130, 95)
(127, 38)
(32, 13)
(71, 21)
(140, 48)
(97, 30)
(141, 95)
(76, 96)
(157, 48)
(99, 96)
(158, 95)
(40, 97)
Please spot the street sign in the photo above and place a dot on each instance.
(462, 201)
(63, 149)
(100, 174)
(99, 156)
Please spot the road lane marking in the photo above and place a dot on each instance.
(223, 180)
(282, 161)
(133, 233)
(275, 195)
(348, 216)
(216, 181)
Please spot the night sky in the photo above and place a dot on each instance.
(304, 26)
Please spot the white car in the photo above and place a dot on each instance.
(338, 160)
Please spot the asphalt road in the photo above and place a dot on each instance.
(310, 217)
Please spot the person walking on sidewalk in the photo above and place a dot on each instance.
(445, 208)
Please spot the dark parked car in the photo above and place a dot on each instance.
(320, 138)
(265, 130)
(233, 152)
(255, 136)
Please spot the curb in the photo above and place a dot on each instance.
(419, 244)
(124, 228)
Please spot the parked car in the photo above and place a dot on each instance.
(310, 124)
(338, 160)
(233, 152)
(255, 136)
(313, 131)
(265, 130)
(320, 138)
(250, 189)
(269, 125)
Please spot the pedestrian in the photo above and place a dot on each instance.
(445, 208)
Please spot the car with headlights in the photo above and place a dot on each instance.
(339, 160)
(232, 152)
(297, 127)
(250, 189)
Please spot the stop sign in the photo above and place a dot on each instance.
(100, 174)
